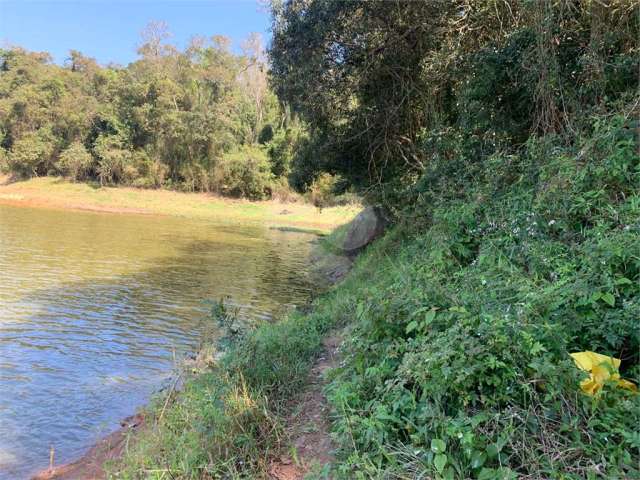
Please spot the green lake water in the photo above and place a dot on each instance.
(96, 308)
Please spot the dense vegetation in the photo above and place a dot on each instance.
(202, 119)
(502, 136)
(386, 86)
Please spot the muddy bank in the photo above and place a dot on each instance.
(91, 466)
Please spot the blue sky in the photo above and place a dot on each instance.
(109, 30)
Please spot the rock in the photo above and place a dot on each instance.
(364, 229)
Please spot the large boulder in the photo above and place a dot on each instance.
(364, 229)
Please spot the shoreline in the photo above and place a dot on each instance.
(59, 194)
(93, 464)
(90, 466)
(328, 269)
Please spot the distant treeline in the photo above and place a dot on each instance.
(201, 119)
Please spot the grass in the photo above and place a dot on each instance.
(227, 422)
(461, 321)
(58, 193)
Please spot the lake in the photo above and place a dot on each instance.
(96, 309)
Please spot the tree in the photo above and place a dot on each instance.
(75, 161)
(31, 154)
(168, 118)
(254, 78)
(154, 36)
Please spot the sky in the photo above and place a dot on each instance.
(109, 30)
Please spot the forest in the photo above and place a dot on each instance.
(200, 119)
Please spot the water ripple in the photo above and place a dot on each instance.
(95, 307)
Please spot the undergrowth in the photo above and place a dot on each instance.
(457, 364)
(459, 324)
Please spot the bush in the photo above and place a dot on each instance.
(152, 172)
(4, 160)
(113, 159)
(244, 172)
(31, 155)
(281, 148)
(75, 161)
(458, 360)
(282, 191)
(196, 178)
(323, 189)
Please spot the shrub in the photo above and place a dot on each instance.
(244, 172)
(31, 155)
(282, 191)
(458, 360)
(281, 148)
(322, 191)
(152, 172)
(75, 161)
(4, 160)
(195, 178)
(112, 159)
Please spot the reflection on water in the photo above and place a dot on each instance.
(94, 309)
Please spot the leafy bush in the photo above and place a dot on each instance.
(152, 172)
(458, 365)
(244, 172)
(113, 159)
(4, 160)
(195, 178)
(370, 78)
(75, 161)
(281, 149)
(282, 191)
(323, 190)
(31, 155)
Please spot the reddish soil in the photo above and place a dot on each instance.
(91, 465)
(36, 202)
(309, 423)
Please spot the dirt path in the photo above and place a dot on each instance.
(308, 425)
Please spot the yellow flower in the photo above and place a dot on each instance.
(602, 369)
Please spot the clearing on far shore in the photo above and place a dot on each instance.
(52, 192)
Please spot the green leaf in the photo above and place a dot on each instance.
(477, 459)
(439, 462)
(411, 326)
(458, 309)
(493, 450)
(609, 299)
(438, 446)
(537, 348)
(505, 473)
(431, 314)
(449, 474)
(487, 474)
(419, 311)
